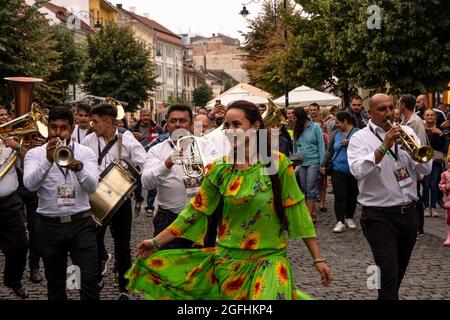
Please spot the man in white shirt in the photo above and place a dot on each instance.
(82, 129)
(64, 222)
(412, 120)
(104, 141)
(13, 237)
(387, 183)
(161, 172)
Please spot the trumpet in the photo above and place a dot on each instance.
(418, 153)
(193, 163)
(63, 155)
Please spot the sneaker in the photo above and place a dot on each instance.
(35, 276)
(420, 234)
(323, 209)
(105, 263)
(427, 212)
(339, 227)
(350, 224)
(434, 212)
(124, 296)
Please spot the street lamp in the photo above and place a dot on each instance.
(244, 12)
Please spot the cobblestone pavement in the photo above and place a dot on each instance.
(348, 254)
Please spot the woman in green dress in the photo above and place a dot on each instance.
(261, 206)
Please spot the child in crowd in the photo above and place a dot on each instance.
(444, 185)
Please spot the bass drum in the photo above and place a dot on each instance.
(116, 185)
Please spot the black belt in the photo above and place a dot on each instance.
(66, 218)
(395, 209)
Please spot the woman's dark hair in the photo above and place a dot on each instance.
(252, 114)
(343, 115)
(61, 113)
(300, 123)
(284, 133)
(125, 122)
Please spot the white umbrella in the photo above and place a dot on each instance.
(304, 96)
(242, 96)
(241, 91)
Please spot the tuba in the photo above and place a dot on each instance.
(118, 105)
(418, 153)
(27, 124)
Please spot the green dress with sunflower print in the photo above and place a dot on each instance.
(250, 260)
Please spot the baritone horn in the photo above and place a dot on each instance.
(193, 161)
(63, 155)
(418, 153)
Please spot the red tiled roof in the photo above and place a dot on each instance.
(63, 14)
(162, 32)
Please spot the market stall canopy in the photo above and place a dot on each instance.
(241, 91)
(304, 96)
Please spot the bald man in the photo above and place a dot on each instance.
(387, 183)
(423, 104)
(201, 124)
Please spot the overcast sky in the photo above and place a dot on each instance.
(199, 17)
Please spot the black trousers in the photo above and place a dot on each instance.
(345, 188)
(391, 236)
(161, 221)
(420, 210)
(55, 240)
(30, 201)
(120, 226)
(13, 239)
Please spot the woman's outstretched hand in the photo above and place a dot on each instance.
(145, 249)
(325, 273)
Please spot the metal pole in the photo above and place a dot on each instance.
(286, 87)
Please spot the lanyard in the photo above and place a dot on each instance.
(78, 133)
(394, 156)
(67, 169)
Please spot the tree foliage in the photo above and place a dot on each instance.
(202, 95)
(119, 66)
(333, 44)
(27, 49)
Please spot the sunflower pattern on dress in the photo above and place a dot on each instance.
(250, 260)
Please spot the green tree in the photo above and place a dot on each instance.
(27, 49)
(202, 95)
(119, 66)
(73, 57)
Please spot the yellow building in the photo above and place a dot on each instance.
(102, 13)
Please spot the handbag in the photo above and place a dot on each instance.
(329, 163)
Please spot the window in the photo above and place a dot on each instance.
(158, 70)
(159, 49)
(159, 96)
(188, 80)
(170, 52)
(169, 73)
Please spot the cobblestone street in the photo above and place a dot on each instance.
(348, 254)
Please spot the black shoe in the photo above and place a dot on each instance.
(20, 291)
(124, 296)
(324, 209)
(35, 276)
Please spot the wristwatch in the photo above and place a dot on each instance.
(79, 167)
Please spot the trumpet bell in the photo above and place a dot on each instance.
(63, 156)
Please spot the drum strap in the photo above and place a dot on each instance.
(120, 146)
(106, 149)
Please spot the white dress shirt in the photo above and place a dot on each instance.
(9, 183)
(78, 134)
(377, 183)
(132, 150)
(46, 177)
(169, 183)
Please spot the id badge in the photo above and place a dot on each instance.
(403, 177)
(192, 186)
(66, 195)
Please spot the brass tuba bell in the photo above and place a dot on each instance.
(118, 105)
(31, 118)
(273, 116)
